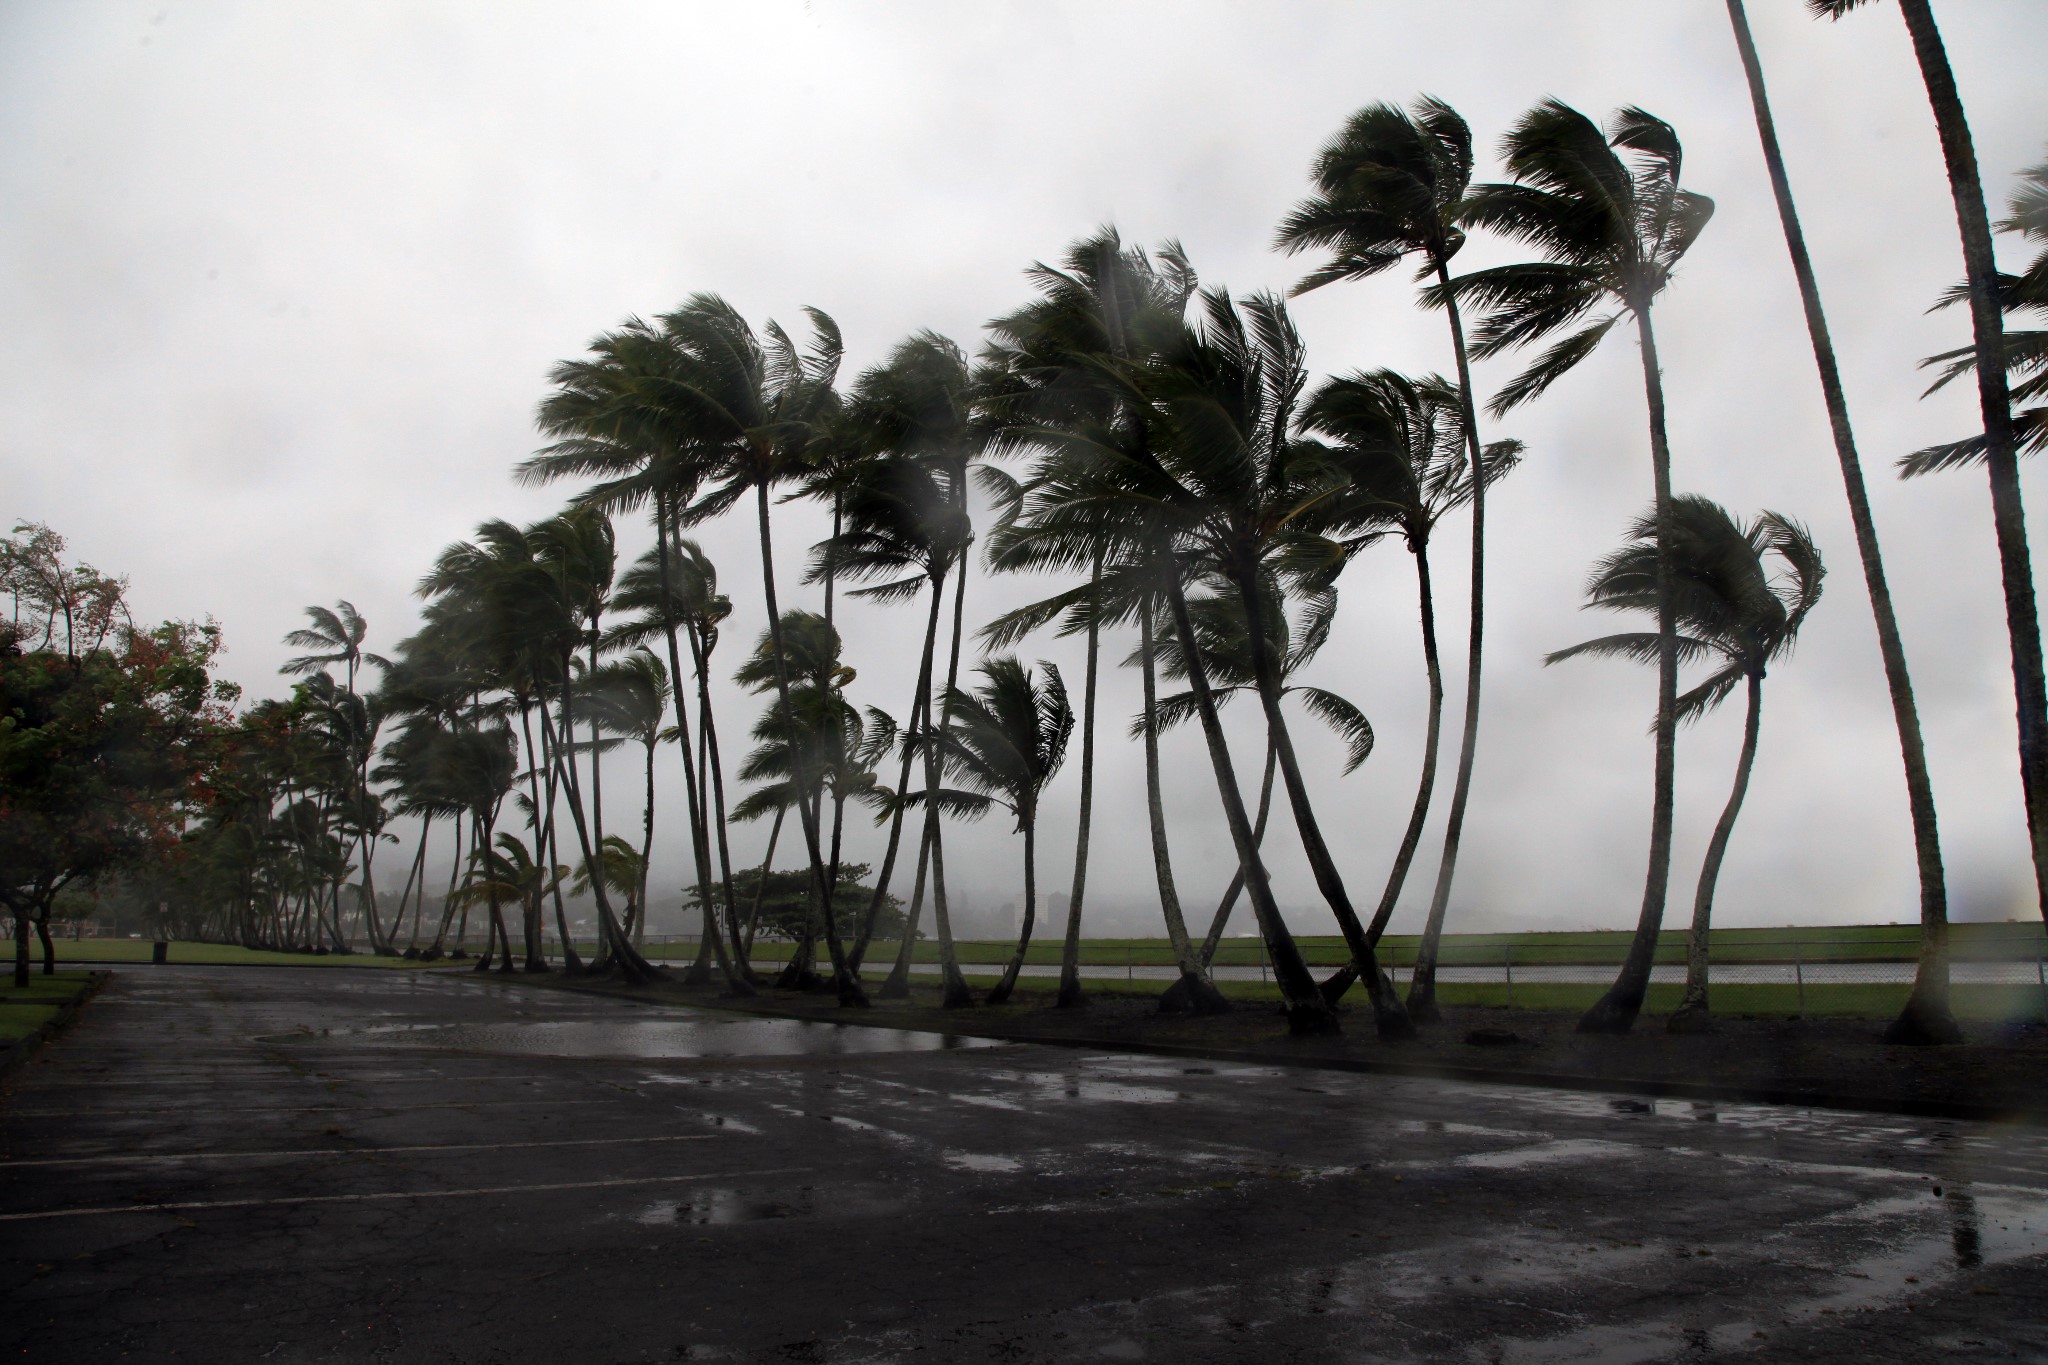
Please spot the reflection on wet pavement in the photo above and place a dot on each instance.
(701, 1037)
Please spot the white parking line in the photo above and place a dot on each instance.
(346, 1151)
(395, 1194)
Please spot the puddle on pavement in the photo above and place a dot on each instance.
(654, 1038)
(717, 1207)
(982, 1163)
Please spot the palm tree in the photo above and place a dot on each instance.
(1927, 1013)
(624, 870)
(1062, 370)
(1391, 185)
(1608, 210)
(1994, 401)
(906, 521)
(630, 697)
(1402, 445)
(1730, 612)
(340, 633)
(1226, 651)
(1008, 740)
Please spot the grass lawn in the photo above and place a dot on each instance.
(216, 954)
(22, 1012)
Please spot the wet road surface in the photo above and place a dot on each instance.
(300, 1165)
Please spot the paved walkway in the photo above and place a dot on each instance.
(296, 1165)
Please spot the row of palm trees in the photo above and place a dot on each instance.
(1161, 444)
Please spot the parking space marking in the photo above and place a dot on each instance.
(394, 1194)
(348, 1151)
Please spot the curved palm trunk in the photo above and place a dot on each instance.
(629, 963)
(1008, 984)
(1692, 1015)
(447, 899)
(897, 984)
(639, 934)
(1070, 948)
(1927, 1016)
(416, 878)
(1235, 890)
(542, 839)
(1307, 1012)
(761, 887)
(741, 970)
(1616, 1011)
(1422, 980)
(1389, 1018)
(956, 994)
(1994, 400)
(920, 713)
(1411, 837)
(1197, 991)
(848, 982)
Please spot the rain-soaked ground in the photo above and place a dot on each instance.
(301, 1165)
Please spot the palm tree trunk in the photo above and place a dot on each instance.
(741, 971)
(761, 886)
(1389, 1017)
(897, 985)
(2008, 513)
(542, 830)
(1422, 979)
(418, 876)
(639, 934)
(1235, 890)
(850, 992)
(1692, 1015)
(956, 995)
(634, 967)
(1616, 1011)
(1070, 948)
(1307, 1012)
(1421, 1007)
(920, 713)
(1198, 992)
(448, 898)
(1927, 1015)
(1008, 984)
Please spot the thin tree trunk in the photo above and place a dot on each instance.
(920, 713)
(635, 968)
(448, 898)
(1422, 979)
(955, 995)
(848, 983)
(1199, 992)
(1411, 838)
(536, 760)
(1927, 1016)
(1307, 1012)
(1616, 1011)
(416, 881)
(1008, 984)
(1070, 948)
(897, 985)
(1389, 1018)
(742, 970)
(639, 934)
(761, 885)
(1214, 938)
(1994, 400)
(43, 937)
(1693, 1015)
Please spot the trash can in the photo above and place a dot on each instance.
(159, 951)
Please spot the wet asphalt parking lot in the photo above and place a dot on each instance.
(326, 1165)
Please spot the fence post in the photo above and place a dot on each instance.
(1799, 974)
(1508, 957)
(1130, 972)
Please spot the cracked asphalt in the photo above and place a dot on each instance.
(318, 1165)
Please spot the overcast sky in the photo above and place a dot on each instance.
(282, 284)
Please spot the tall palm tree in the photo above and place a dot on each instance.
(1403, 446)
(1994, 402)
(1927, 1013)
(1392, 185)
(1608, 211)
(337, 638)
(907, 521)
(1732, 613)
(1007, 742)
(1062, 370)
(1247, 495)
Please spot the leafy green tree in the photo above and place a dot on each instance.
(786, 902)
(1733, 615)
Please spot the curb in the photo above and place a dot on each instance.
(19, 1054)
(1791, 1095)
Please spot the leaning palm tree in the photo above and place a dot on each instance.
(629, 697)
(1730, 612)
(1403, 446)
(1608, 211)
(1929, 1005)
(336, 637)
(1390, 186)
(1994, 402)
(1007, 742)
